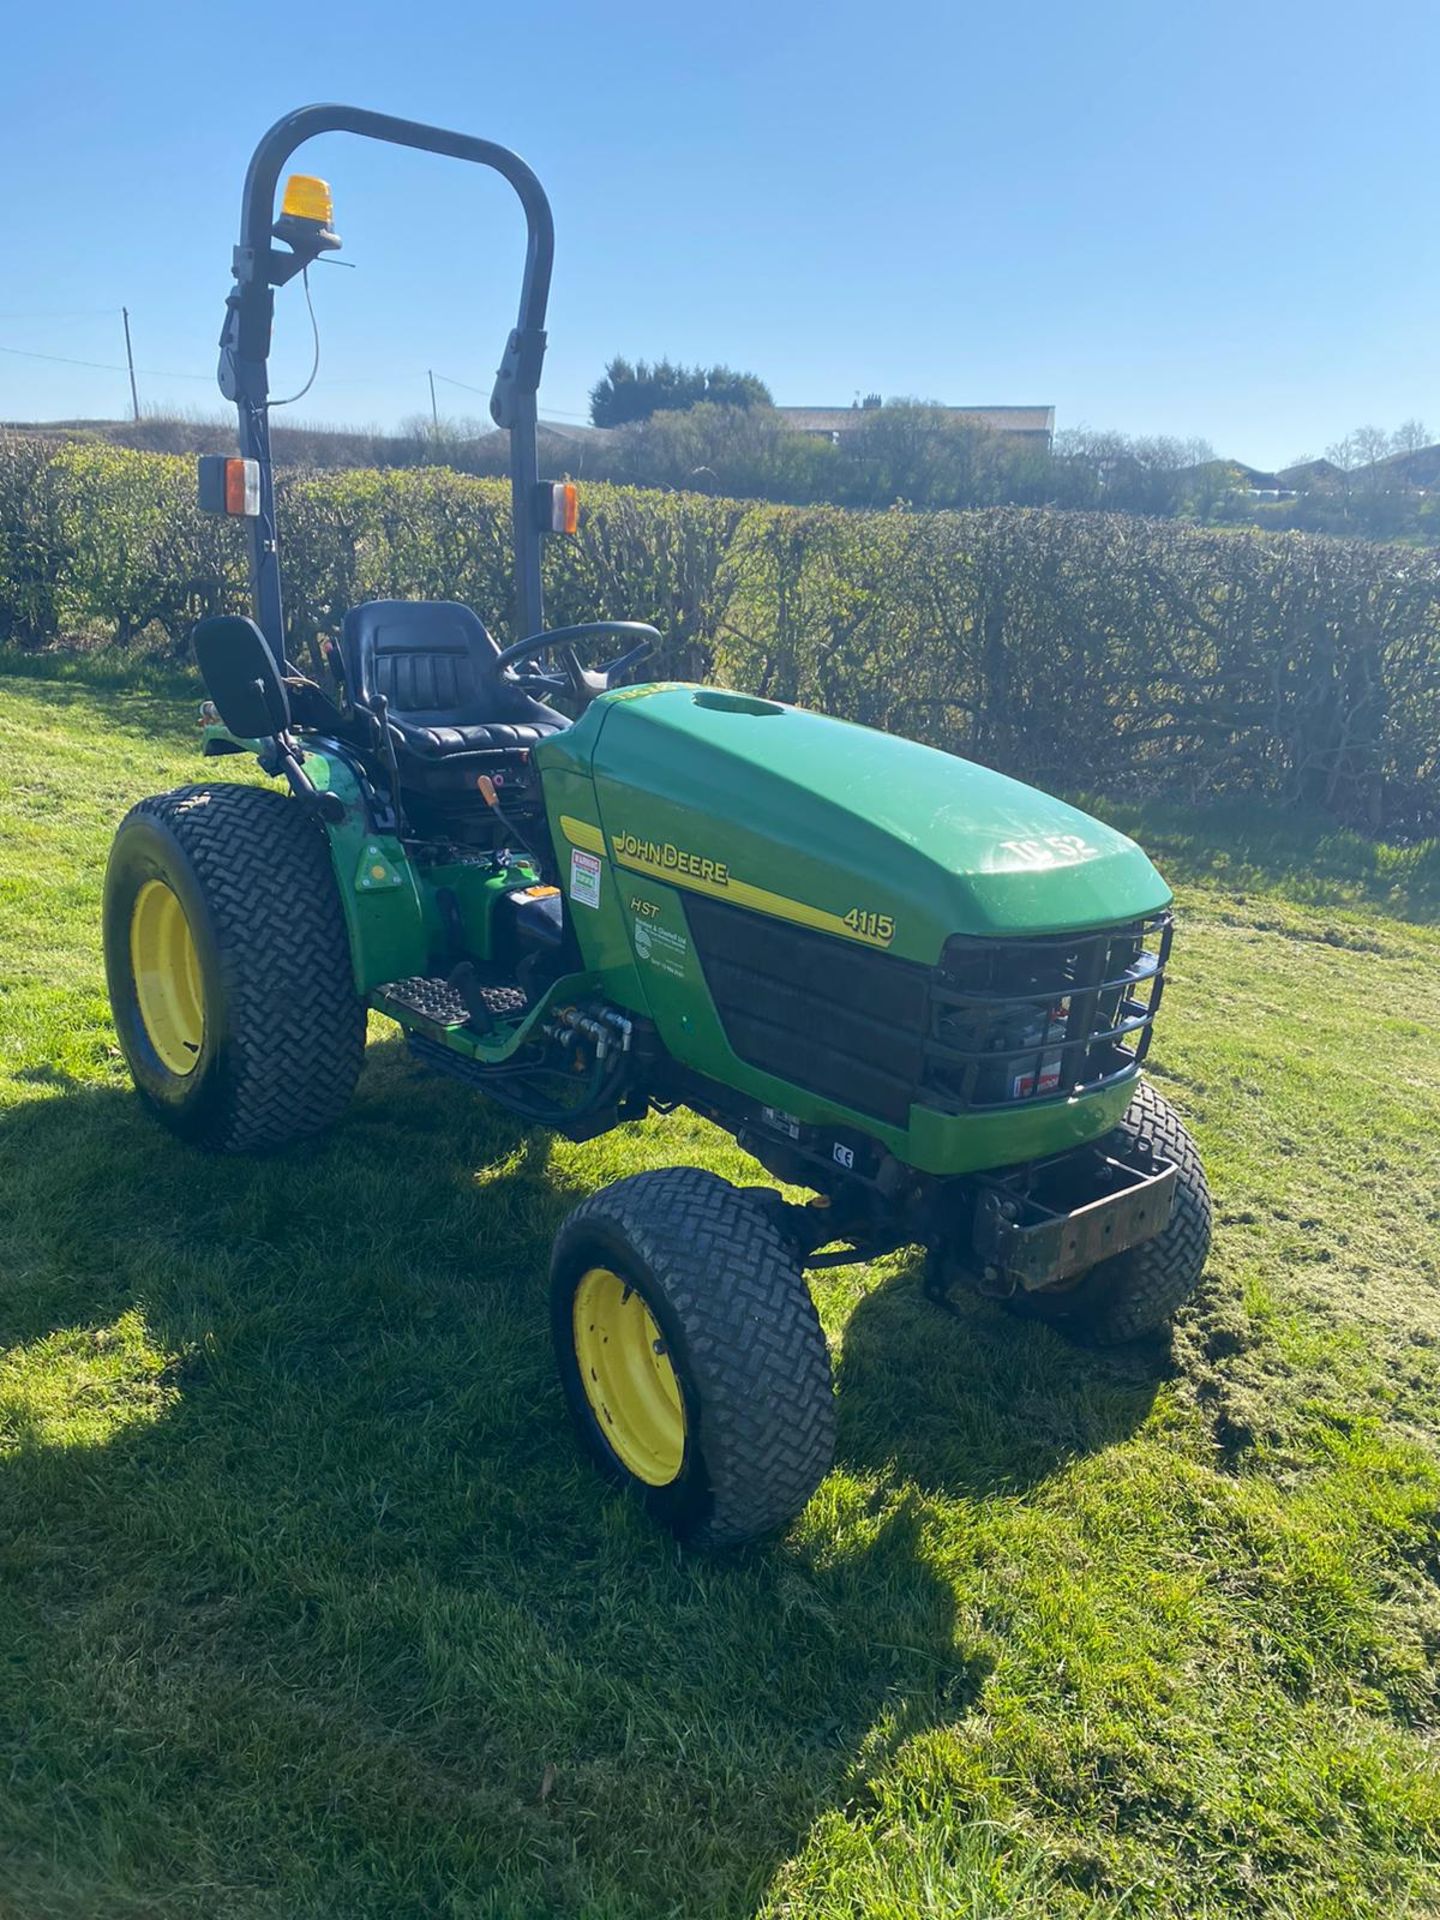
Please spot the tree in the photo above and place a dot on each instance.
(1156, 474)
(630, 392)
(1411, 436)
(1362, 447)
(743, 451)
(895, 453)
(724, 387)
(1372, 496)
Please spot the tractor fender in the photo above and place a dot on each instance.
(377, 884)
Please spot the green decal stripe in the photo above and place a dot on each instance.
(741, 894)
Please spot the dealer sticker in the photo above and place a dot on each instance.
(660, 947)
(584, 878)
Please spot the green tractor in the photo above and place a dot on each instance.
(907, 985)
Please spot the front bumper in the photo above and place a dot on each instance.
(1052, 1233)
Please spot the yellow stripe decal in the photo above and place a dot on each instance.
(581, 834)
(742, 894)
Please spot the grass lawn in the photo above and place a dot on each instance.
(309, 1606)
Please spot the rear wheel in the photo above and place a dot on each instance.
(1139, 1292)
(229, 968)
(691, 1354)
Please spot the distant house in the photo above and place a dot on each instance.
(1035, 425)
(1310, 473)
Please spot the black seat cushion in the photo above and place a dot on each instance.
(434, 663)
(438, 743)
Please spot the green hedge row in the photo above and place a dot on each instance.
(1078, 650)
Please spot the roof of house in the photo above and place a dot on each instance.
(1419, 468)
(1305, 474)
(997, 419)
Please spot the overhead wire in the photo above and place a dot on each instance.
(551, 413)
(62, 313)
(102, 366)
(171, 373)
(464, 385)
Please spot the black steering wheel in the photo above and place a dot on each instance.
(574, 677)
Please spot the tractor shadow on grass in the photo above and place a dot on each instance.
(975, 1402)
(303, 1566)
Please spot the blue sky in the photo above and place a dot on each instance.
(1216, 220)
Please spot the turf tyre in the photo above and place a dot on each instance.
(284, 1029)
(743, 1336)
(1138, 1293)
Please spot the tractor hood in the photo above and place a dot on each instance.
(836, 826)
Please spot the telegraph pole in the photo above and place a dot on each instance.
(130, 362)
(434, 410)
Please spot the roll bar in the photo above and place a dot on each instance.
(260, 267)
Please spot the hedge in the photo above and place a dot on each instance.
(1078, 650)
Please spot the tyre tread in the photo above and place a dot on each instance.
(767, 1403)
(296, 1026)
(1155, 1279)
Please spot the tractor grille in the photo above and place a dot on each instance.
(996, 1024)
(1019, 1020)
(819, 1012)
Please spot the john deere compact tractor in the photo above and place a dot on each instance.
(908, 986)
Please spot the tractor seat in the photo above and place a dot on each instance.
(434, 662)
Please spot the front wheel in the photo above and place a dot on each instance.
(691, 1354)
(1139, 1292)
(229, 967)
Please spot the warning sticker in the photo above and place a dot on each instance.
(1022, 1085)
(584, 878)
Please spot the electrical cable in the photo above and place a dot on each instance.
(315, 336)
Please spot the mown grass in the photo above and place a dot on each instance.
(307, 1605)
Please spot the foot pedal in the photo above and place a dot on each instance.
(506, 1003)
(434, 1003)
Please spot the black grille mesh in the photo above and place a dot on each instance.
(819, 1012)
(998, 1023)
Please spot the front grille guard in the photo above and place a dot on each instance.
(1082, 1021)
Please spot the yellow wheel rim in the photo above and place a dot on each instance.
(166, 971)
(628, 1379)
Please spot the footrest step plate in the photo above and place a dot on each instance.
(434, 1001)
(441, 1005)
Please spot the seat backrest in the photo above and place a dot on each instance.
(433, 660)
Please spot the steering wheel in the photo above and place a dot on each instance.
(574, 677)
